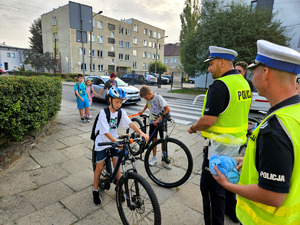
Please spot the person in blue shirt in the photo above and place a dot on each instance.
(82, 98)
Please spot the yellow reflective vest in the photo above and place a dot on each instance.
(234, 120)
(250, 212)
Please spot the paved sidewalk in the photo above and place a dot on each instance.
(52, 184)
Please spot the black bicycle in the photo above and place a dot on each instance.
(136, 200)
(176, 163)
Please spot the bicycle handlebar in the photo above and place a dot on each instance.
(121, 143)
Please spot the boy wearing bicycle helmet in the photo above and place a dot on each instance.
(156, 105)
(106, 131)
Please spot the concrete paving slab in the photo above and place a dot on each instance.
(48, 158)
(25, 163)
(72, 140)
(77, 164)
(79, 180)
(75, 151)
(14, 207)
(47, 175)
(55, 145)
(52, 214)
(48, 194)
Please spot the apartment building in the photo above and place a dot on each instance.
(119, 46)
(171, 58)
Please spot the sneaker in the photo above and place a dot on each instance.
(87, 119)
(90, 117)
(153, 161)
(97, 198)
(82, 120)
(167, 165)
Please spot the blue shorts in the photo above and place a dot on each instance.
(83, 104)
(101, 155)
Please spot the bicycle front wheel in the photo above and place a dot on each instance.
(173, 167)
(139, 205)
(134, 148)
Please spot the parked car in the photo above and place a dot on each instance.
(9, 72)
(169, 77)
(128, 78)
(132, 93)
(192, 79)
(259, 103)
(150, 79)
(164, 80)
(2, 71)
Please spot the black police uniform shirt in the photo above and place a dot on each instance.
(275, 152)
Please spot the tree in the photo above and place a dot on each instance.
(35, 55)
(36, 40)
(232, 26)
(161, 68)
(190, 18)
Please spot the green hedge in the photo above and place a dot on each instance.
(71, 76)
(27, 103)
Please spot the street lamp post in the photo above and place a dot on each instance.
(156, 51)
(91, 46)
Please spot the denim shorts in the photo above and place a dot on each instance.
(101, 155)
(83, 104)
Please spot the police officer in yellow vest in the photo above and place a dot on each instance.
(225, 111)
(268, 190)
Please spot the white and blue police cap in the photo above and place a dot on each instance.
(277, 57)
(221, 53)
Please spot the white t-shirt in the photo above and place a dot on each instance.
(103, 127)
(156, 106)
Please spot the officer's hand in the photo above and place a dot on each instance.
(220, 177)
(191, 131)
(240, 163)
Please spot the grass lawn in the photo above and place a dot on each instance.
(189, 91)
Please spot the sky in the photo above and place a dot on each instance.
(18, 15)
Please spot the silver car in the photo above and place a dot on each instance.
(132, 93)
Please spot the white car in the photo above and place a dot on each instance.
(259, 103)
(132, 93)
(150, 79)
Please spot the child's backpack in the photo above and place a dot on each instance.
(77, 89)
(107, 113)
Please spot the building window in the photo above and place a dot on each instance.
(94, 67)
(13, 55)
(111, 54)
(111, 40)
(134, 52)
(112, 61)
(121, 30)
(149, 55)
(121, 56)
(150, 44)
(100, 53)
(100, 39)
(93, 23)
(56, 67)
(158, 35)
(145, 30)
(145, 43)
(135, 40)
(111, 26)
(171, 60)
(93, 53)
(112, 34)
(82, 66)
(121, 44)
(127, 44)
(128, 32)
(175, 60)
(135, 28)
(81, 51)
(253, 5)
(153, 55)
(155, 34)
(100, 68)
(127, 57)
(158, 46)
(100, 24)
(144, 65)
(144, 54)
(150, 33)
(134, 64)
(8, 55)
(112, 48)
(93, 37)
(54, 21)
(111, 68)
(166, 60)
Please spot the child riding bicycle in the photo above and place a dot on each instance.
(107, 131)
(156, 105)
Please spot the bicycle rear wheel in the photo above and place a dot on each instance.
(134, 148)
(143, 205)
(176, 169)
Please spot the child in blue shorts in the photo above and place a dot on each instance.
(107, 132)
(82, 98)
